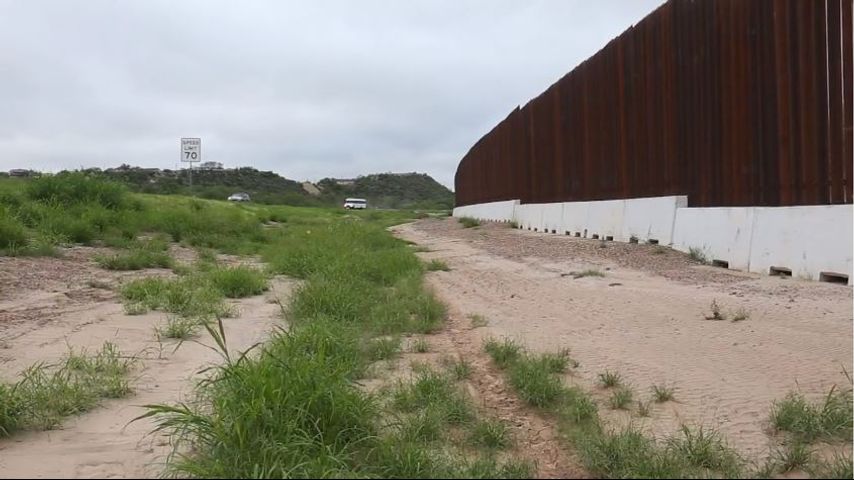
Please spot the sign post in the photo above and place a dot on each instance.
(191, 151)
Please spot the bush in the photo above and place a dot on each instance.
(238, 282)
(70, 188)
(12, 233)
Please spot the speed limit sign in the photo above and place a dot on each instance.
(191, 150)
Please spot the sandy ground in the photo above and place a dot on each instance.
(48, 305)
(646, 319)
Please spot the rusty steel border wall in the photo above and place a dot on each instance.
(730, 102)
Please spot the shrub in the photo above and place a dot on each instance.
(238, 282)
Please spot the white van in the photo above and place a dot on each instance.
(355, 203)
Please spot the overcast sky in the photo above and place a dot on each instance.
(307, 89)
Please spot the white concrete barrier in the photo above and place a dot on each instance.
(575, 217)
(722, 234)
(529, 216)
(605, 219)
(651, 218)
(552, 218)
(492, 211)
(808, 241)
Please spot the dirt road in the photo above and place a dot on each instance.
(646, 319)
(48, 305)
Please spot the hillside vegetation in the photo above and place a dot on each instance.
(385, 190)
(388, 190)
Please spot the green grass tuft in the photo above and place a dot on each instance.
(477, 320)
(621, 398)
(238, 282)
(503, 352)
(492, 434)
(420, 345)
(469, 222)
(609, 379)
(663, 393)
(437, 265)
(829, 420)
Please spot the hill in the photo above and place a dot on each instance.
(385, 190)
(390, 190)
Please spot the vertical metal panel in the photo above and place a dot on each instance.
(731, 102)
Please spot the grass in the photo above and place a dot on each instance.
(199, 295)
(740, 315)
(238, 282)
(503, 352)
(459, 369)
(180, 328)
(838, 466)
(697, 254)
(535, 381)
(293, 408)
(663, 393)
(492, 434)
(609, 379)
(627, 453)
(420, 345)
(794, 456)
(477, 320)
(587, 273)
(437, 265)
(134, 260)
(384, 348)
(469, 222)
(644, 408)
(621, 398)
(659, 250)
(46, 394)
(717, 312)
(830, 419)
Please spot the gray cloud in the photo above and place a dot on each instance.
(307, 89)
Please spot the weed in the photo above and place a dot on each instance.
(513, 224)
(460, 369)
(180, 328)
(839, 466)
(698, 255)
(503, 352)
(492, 434)
(621, 398)
(740, 315)
(536, 384)
(659, 250)
(556, 362)
(420, 345)
(717, 312)
(238, 282)
(469, 222)
(47, 393)
(704, 449)
(663, 393)
(437, 265)
(384, 348)
(477, 320)
(795, 456)
(587, 273)
(831, 419)
(94, 283)
(644, 408)
(610, 379)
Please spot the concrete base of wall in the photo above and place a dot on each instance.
(812, 242)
